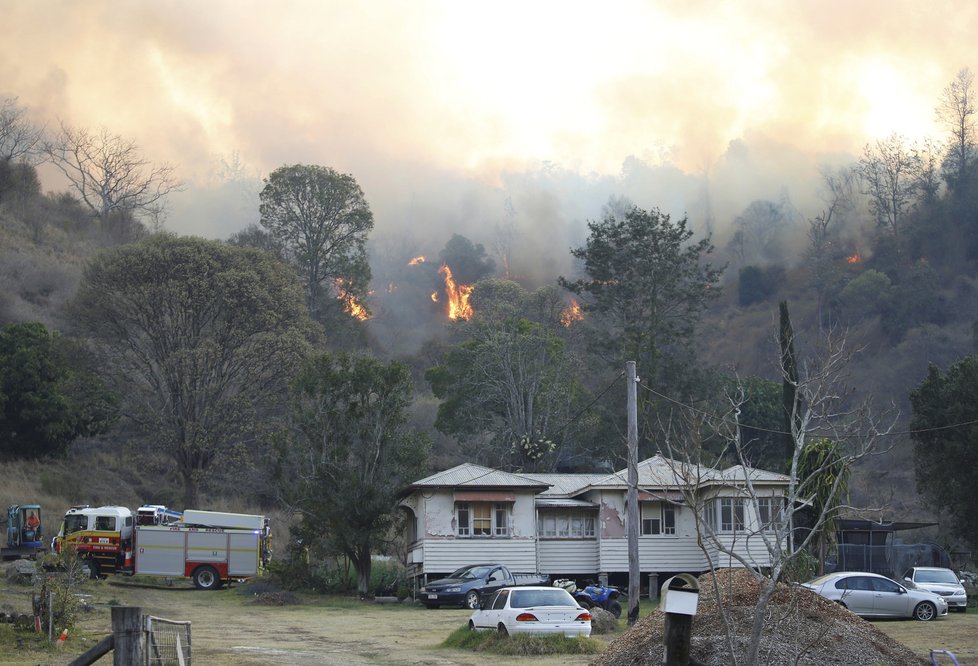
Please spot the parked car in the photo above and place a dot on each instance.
(939, 581)
(532, 610)
(468, 585)
(872, 595)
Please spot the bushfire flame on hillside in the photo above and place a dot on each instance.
(350, 304)
(458, 296)
(571, 313)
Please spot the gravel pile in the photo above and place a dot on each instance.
(800, 628)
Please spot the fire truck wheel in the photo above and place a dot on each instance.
(205, 578)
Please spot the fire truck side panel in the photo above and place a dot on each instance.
(160, 551)
(243, 553)
(210, 547)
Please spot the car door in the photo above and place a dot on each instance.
(496, 579)
(857, 594)
(494, 610)
(890, 599)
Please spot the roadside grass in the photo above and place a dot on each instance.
(520, 645)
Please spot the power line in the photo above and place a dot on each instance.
(591, 404)
(724, 419)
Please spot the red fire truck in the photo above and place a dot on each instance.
(210, 547)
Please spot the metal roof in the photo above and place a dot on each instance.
(542, 501)
(477, 476)
(566, 484)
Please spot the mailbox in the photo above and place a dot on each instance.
(680, 595)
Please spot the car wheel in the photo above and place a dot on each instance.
(471, 625)
(503, 631)
(472, 600)
(206, 578)
(585, 604)
(924, 611)
(615, 609)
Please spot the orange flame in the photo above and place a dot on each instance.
(854, 258)
(458, 295)
(350, 304)
(571, 313)
(416, 261)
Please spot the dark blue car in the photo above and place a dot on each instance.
(466, 586)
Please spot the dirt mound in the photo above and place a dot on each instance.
(800, 627)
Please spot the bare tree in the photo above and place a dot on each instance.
(19, 138)
(110, 174)
(957, 110)
(746, 524)
(891, 173)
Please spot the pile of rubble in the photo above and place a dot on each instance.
(800, 627)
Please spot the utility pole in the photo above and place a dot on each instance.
(631, 500)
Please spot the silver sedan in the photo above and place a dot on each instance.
(872, 595)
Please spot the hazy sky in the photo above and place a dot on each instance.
(443, 110)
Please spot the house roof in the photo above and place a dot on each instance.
(566, 485)
(665, 473)
(468, 475)
(655, 473)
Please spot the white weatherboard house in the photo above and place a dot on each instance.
(573, 525)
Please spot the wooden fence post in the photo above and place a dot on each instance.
(127, 629)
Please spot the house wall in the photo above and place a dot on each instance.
(567, 556)
(441, 556)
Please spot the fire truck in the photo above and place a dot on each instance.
(209, 547)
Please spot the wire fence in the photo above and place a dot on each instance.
(167, 642)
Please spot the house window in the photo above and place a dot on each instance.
(482, 519)
(731, 514)
(658, 518)
(770, 512)
(565, 525)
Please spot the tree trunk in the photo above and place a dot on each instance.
(363, 575)
(189, 490)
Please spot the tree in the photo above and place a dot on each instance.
(823, 469)
(48, 398)
(647, 282)
(199, 338)
(19, 138)
(351, 454)
(761, 230)
(944, 429)
(957, 110)
(322, 219)
(891, 172)
(468, 261)
(824, 246)
(646, 288)
(509, 384)
(110, 174)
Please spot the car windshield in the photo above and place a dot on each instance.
(936, 576)
(470, 572)
(528, 598)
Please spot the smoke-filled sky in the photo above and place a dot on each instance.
(451, 113)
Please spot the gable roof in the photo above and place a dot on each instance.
(566, 485)
(468, 475)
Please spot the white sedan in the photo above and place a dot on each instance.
(532, 610)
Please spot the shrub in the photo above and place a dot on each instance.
(520, 645)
